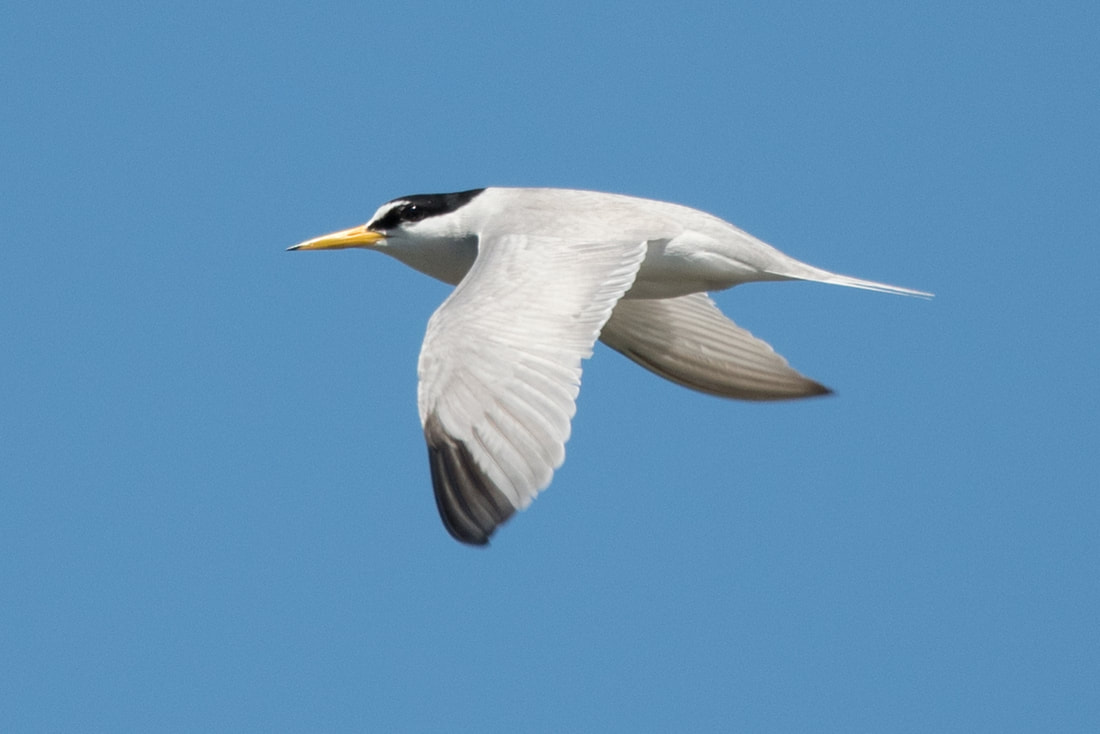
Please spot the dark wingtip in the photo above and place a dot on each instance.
(469, 504)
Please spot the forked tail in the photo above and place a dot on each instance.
(817, 275)
(870, 285)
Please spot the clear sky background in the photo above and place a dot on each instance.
(215, 508)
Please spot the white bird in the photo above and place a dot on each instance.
(541, 274)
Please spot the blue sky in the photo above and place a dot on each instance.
(215, 509)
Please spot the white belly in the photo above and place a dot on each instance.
(691, 263)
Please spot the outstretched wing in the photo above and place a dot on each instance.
(501, 366)
(689, 341)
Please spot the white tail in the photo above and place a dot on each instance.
(802, 271)
(871, 285)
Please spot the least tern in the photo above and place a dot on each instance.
(540, 275)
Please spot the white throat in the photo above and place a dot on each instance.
(447, 260)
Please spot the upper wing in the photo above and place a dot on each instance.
(689, 341)
(500, 370)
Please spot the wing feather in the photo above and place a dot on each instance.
(500, 370)
(689, 341)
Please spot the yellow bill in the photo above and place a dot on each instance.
(355, 237)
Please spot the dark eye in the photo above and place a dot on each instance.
(413, 213)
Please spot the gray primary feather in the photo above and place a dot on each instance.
(469, 503)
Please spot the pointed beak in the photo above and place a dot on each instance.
(354, 237)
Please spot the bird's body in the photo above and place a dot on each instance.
(688, 251)
(540, 275)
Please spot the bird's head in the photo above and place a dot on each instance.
(405, 220)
